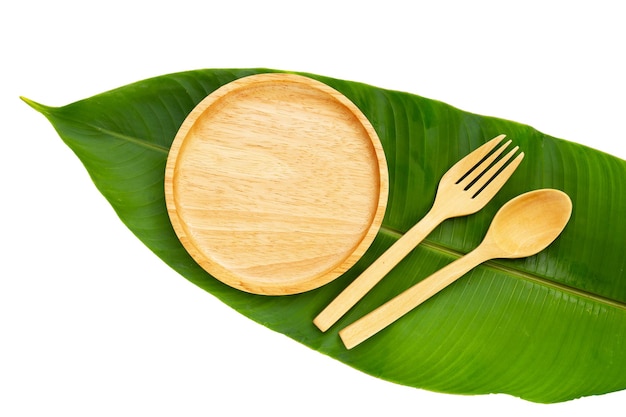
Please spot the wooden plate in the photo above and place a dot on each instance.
(276, 184)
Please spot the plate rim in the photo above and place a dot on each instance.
(225, 275)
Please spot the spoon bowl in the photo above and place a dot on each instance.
(528, 224)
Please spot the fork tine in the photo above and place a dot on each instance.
(487, 172)
(476, 171)
(494, 179)
(468, 162)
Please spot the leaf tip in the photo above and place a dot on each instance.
(37, 106)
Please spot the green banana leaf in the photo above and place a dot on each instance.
(548, 328)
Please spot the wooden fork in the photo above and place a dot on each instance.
(464, 189)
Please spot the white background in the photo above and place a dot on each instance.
(93, 324)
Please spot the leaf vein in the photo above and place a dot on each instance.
(500, 266)
(137, 141)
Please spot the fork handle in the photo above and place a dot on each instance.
(377, 271)
(392, 310)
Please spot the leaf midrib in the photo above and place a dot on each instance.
(396, 234)
(500, 266)
(131, 139)
(50, 111)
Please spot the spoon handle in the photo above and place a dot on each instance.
(377, 271)
(406, 301)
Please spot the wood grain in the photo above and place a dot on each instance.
(457, 195)
(523, 227)
(276, 184)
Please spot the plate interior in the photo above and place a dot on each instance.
(276, 184)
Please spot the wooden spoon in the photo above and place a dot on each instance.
(522, 227)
